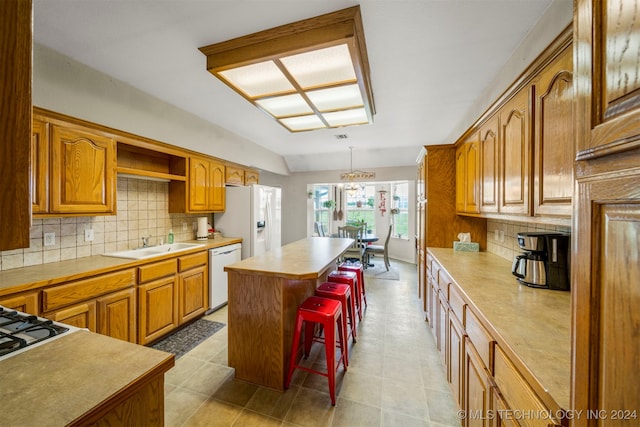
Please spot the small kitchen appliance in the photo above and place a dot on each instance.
(21, 331)
(545, 261)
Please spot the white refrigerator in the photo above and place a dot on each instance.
(253, 213)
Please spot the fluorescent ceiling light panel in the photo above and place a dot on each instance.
(335, 98)
(310, 74)
(283, 106)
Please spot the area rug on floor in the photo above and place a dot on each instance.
(378, 271)
(185, 339)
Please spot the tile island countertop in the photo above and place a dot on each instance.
(535, 324)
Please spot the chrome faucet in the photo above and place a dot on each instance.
(145, 241)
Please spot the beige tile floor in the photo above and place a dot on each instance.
(394, 378)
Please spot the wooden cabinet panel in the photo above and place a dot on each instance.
(15, 122)
(476, 390)
(518, 394)
(251, 177)
(157, 309)
(234, 175)
(193, 294)
(554, 137)
(608, 66)
(116, 315)
(457, 304)
(468, 176)
(27, 302)
(480, 337)
(83, 171)
(40, 167)
(515, 151)
(503, 417)
(489, 165)
(456, 358)
(80, 290)
(194, 260)
(217, 191)
(442, 311)
(198, 184)
(206, 192)
(82, 315)
(157, 270)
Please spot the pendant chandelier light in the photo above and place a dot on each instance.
(352, 188)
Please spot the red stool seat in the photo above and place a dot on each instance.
(342, 293)
(358, 268)
(350, 278)
(328, 313)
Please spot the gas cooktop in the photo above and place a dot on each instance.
(19, 331)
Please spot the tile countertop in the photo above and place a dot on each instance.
(535, 324)
(42, 275)
(70, 378)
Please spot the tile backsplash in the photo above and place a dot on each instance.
(506, 243)
(142, 210)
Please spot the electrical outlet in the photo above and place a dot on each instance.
(88, 235)
(49, 239)
(496, 235)
(185, 226)
(501, 236)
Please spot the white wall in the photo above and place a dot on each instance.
(65, 86)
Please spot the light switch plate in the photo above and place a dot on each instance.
(88, 235)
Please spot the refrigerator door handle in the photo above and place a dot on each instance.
(268, 219)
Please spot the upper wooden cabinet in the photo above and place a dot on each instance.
(251, 177)
(515, 155)
(40, 167)
(468, 176)
(83, 171)
(204, 190)
(554, 137)
(233, 175)
(15, 122)
(489, 158)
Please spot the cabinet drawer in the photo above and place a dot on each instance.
(457, 304)
(190, 261)
(480, 338)
(149, 272)
(81, 290)
(518, 393)
(429, 262)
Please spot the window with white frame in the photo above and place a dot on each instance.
(400, 210)
(322, 205)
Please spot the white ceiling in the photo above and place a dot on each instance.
(430, 61)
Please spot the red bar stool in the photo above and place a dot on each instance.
(328, 313)
(359, 269)
(350, 278)
(341, 292)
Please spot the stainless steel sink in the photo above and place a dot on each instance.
(150, 252)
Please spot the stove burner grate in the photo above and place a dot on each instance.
(19, 330)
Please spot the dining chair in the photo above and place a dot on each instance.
(319, 229)
(380, 249)
(356, 250)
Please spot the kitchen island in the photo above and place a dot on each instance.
(83, 378)
(264, 295)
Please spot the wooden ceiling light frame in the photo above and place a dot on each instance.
(343, 27)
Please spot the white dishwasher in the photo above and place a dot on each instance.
(218, 283)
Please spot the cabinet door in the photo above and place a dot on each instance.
(198, 184)
(193, 293)
(456, 358)
(117, 315)
(27, 302)
(39, 167)
(234, 175)
(442, 341)
(467, 176)
(82, 315)
(216, 187)
(251, 177)
(515, 151)
(83, 171)
(489, 165)
(554, 138)
(476, 389)
(502, 416)
(157, 309)
(16, 37)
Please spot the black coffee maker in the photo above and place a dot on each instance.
(545, 261)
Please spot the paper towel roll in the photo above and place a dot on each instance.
(203, 229)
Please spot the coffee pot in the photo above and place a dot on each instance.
(544, 263)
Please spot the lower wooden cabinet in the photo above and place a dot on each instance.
(27, 302)
(476, 389)
(193, 285)
(157, 309)
(116, 315)
(502, 415)
(81, 315)
(455, 357)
